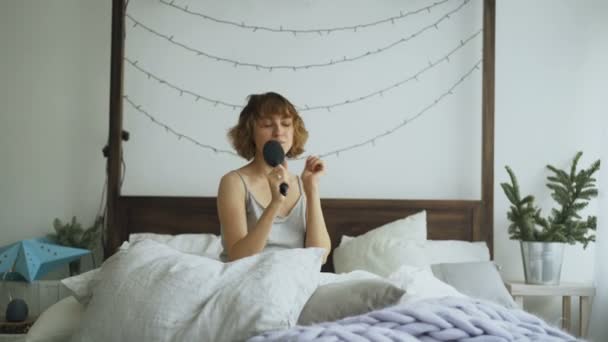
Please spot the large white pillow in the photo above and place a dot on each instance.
(476, 279)
(57, 323)
(453, 251)
(383, 257)
(421, 283)
(152, 292)
(326, 278)
(82, 285)
(412, 227)
(209, 245)
(200, 244)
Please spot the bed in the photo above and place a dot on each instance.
(470, 220)
(434, 319)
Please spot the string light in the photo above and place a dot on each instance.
(405, 121)
(334, 61)
(335, 152)
(321, 31)
(305, 108)
(179, 135)
(180, 90)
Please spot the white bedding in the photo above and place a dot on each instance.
(152, 292)
(385, 256)
(131, 309)
(62, 319)
(57, 323)
(209, 245)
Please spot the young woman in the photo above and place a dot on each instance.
(254, 215)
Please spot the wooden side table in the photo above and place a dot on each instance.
(566, 291)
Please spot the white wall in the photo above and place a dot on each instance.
(445, 138)
(598, 330)
(550, 82)
(54, 86)
(54, 95)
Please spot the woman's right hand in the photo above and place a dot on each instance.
(277, 176)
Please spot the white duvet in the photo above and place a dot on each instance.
(152, 292)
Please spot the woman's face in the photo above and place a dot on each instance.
(273, 127)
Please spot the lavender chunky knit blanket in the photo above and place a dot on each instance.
(444, 319)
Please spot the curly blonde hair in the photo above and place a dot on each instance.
(262, 106)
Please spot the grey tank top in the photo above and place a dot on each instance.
(286, 232)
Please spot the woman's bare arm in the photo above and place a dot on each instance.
(316, 230)
(238, 241)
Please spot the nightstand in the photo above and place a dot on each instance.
(564, 290)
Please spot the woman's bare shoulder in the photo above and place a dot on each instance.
(230, 175)
(230, 183)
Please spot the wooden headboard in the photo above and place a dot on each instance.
(446, 219)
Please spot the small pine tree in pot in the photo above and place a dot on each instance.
(542, 239)
(71, 234)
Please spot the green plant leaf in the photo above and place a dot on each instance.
(572, 190)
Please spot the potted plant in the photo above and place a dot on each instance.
(71, 234)
(542, 240)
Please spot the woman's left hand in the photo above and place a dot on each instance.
(313, 169)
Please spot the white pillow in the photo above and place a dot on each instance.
(333, 278)
(383, 257)
(412, 227)
(476, 279)
(420, 283)
(57, 323)
(152, 292)
(200, 244)
(81, 286)
(453, 251)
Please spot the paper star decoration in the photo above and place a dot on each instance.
(33, 258)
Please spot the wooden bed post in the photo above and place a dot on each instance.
(487, 103)
(115, 131)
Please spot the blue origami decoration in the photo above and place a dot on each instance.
(33, 258)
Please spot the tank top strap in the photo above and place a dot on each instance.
(247, 192)
(300, 185)
(241, 177)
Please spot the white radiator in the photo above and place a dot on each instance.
(38, 295)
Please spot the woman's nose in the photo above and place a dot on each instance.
(276, 130)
